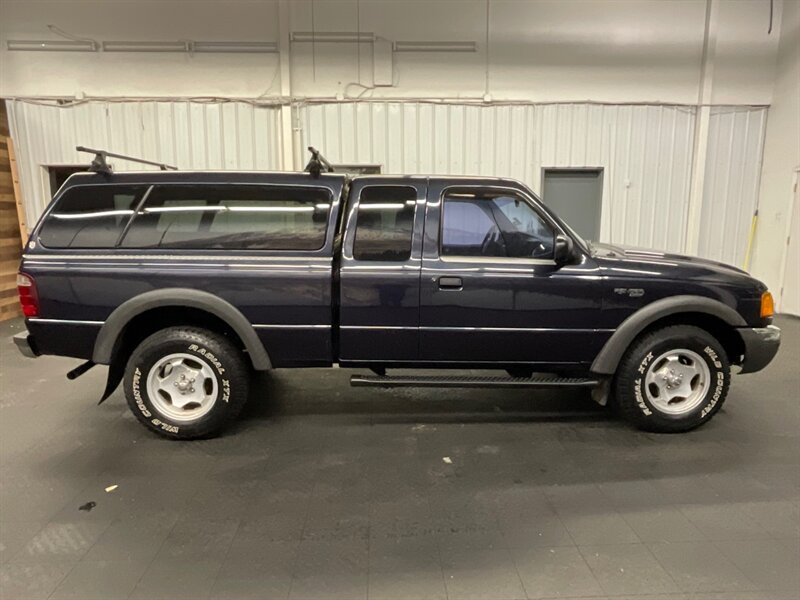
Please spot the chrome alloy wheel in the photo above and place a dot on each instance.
(677, 381)
(182, 387)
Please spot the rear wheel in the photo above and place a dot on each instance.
(186, 383)
(672, 379)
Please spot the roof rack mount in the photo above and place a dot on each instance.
(100, 164)
(317, 163)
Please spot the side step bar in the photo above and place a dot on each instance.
(446, 381)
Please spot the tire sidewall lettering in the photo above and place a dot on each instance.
(718, 390)
(225, 384)
(712, 397)
(713, 356)
(226, 390)
(637, 383)
(136, 386)
(209, 356)
(165, 426)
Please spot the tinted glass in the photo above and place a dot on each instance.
(244, 217)
(493, 225)
(90, 216)
(385, 223)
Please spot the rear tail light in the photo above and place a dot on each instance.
(767, 305)
(28, 298)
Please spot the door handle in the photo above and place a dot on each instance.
(450, 283)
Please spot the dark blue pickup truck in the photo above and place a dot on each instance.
(181, 282)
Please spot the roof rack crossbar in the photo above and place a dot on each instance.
(317, 163)
(100, 164)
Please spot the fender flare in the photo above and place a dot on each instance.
(179, 297)
(607, 360)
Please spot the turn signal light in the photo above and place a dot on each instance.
(767, 305)
(28, 298)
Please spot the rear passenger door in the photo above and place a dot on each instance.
(380, 270)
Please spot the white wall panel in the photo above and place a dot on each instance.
(645, 151)
(730, 195)
(191, 135)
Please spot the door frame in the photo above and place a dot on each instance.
(598, 169)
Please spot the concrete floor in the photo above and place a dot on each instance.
(323, 491)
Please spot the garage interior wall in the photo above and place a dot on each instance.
(645, 151)
(538, 51)
(771, 260)
(190, 135)
(731, 185)
(670, 97)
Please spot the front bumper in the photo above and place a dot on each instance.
(760, 347)
(24, 342)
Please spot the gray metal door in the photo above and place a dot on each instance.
(576, 196)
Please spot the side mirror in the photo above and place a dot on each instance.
(562, 251)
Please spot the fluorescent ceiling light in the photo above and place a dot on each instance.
(382, 206)
(93, 215)
(253, 47)
(332, 36)
(435, 46)
(145, 46)
(52, 45)
(177, 209)
(271, 209)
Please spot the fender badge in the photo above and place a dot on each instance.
(630, 292)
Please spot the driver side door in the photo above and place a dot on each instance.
(491, 291)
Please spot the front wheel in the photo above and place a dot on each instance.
(671, 380)
(186, 383)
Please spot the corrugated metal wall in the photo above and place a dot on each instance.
(646, 155)
(191, 135)
(645, 151)
(733, 171)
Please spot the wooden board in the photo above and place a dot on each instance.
(10, 222)
(14, 175)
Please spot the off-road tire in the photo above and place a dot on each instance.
(222, 360)
(630, 398)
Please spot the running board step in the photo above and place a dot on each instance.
(448, 381)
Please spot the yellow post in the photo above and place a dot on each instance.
(750, 238)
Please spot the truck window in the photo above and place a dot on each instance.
(385, 223)
(243, 217)
(493, 225)
(90, 216)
